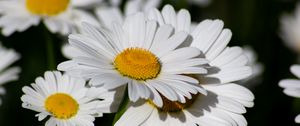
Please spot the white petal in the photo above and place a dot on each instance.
(183, 21)
(109, 15)
(135, 115)
(295, 69)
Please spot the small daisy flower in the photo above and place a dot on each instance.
(289, 30)
(292, 86)
(7, 57)
(59, 16)
(222, 106)
(66, 100)
(139, 54)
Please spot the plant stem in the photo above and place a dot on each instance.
(50, 49)
(122, 107)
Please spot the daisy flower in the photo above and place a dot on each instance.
(59, 16)
(140, 54)
(292, 86)
(66, 100)
(289, 29)
(225, 101)
(7, 57)
(222, 106)
(107, 15)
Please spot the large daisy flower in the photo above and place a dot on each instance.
(290, 29)
(59, 16)
(7, 57)
(66, 100)
(292, 86)
(222, 106)
(225, 102)
(141, 54)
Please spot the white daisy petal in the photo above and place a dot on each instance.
(184, 20)
(137, 113)
(290, 83)
(219, 45)
(162, 34)
(180, 54)
(109, 15)
(297, 119)
(295, 69)
(171, 43)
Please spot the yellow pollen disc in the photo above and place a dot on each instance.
(47, 7)
(138, 64)
(174, 106)
(61, 105)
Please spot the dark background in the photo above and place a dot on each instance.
(253, 22)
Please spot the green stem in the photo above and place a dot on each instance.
(122, 107)
(50, 49)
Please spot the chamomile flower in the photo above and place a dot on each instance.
(222, 106)
(7, 57)
(292, 86)
(59, 16)
(141, 55)
(290, 33)
(66, 100)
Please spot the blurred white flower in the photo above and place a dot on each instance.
(67, 100)
(290, 29)
(292, 86)
(257, 69)
(7, 57)
(59, 16)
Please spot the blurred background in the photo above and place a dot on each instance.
(253, 22)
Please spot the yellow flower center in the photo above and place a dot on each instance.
(174, 106)
(47, 7)
(137, 63)
(61, 105)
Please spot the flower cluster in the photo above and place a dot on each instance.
(152, 67)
